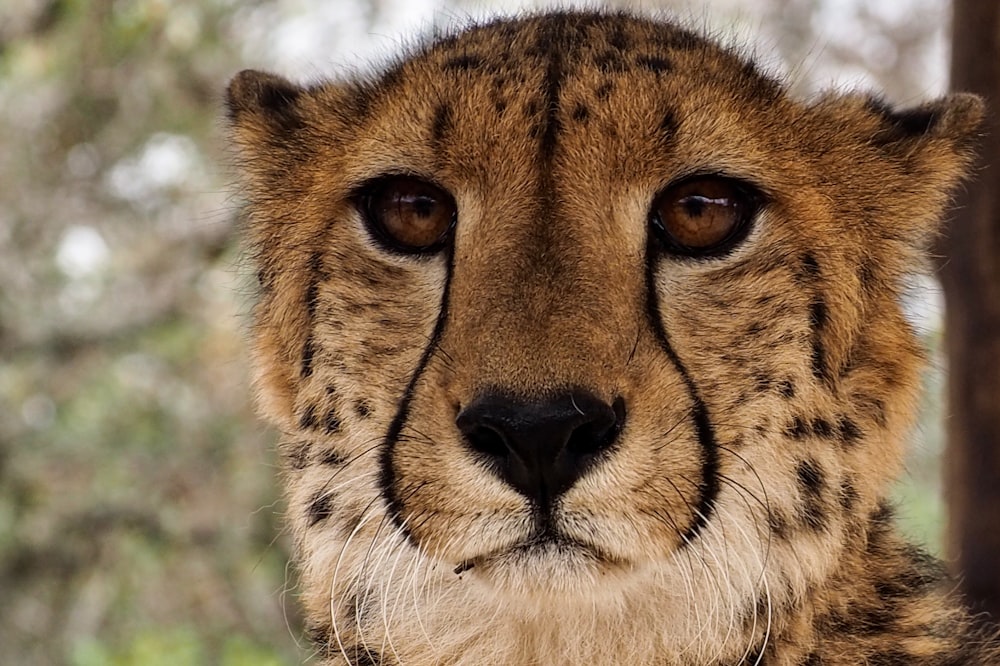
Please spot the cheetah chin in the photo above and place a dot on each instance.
(585, 342)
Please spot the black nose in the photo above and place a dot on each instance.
(541, 447)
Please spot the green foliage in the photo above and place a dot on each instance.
(183, 646)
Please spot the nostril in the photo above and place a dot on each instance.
(599, 433)
(487, 441)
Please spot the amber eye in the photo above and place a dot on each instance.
(704, 215)
(408, 214)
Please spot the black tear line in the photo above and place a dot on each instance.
(709, 487)
(387, 476)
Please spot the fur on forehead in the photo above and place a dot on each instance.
(277, 124)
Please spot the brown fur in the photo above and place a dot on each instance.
(757, 535)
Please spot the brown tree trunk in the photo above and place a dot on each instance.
(970, 273)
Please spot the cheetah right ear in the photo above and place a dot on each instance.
(261, 101)
(956, 120)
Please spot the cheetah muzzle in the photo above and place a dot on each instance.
(585, 342)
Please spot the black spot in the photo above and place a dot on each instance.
(311, 298)
(876, 619)
(298, 456)
(655, 64)
(308, 352)
(799, 429)
(362, 409)
(464, 63)
(308, 418)
(812, 481)
(812, 659)
(604, 90)
(441, 124)
(610, 62)
(786, 388)
(866, 273)
(320, 507)
(332, 458)
(777, 523)
(848, 495)
(500, 106)
(669, 125)
(818, 358)
(810, 477)
(822, 428)
(817, 314)
(762, 382)
(331, 423)
(580, 113)
(848, 430)
(810, 267)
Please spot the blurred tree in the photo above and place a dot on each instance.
(132, 472)
(970, 273)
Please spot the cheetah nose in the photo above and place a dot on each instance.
(541, 448)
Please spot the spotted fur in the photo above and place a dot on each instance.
(740, 517)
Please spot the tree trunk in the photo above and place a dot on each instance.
(970, 274)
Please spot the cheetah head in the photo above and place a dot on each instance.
(581, 318)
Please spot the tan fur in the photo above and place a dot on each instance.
(553, 134)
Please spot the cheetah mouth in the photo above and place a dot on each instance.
(544, 551)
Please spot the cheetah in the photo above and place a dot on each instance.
(585, 344)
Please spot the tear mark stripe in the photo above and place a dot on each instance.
(387, 476)
(709, 486)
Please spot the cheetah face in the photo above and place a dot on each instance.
(582, 307)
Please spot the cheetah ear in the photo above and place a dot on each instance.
(900, 167)
(258, 102)
(950, 123)
(926, 151)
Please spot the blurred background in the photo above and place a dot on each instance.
(139, 519)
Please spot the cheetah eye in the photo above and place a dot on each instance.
(704, 215)
(407, 214)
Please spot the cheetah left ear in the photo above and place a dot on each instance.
(926, 151)
(917, 155)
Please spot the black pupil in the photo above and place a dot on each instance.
(424, 205)
(695, 204)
